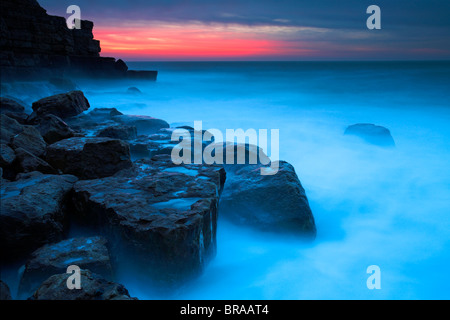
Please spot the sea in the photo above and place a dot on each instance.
(373, 206)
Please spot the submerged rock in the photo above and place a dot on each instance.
(62, 105)
(89, 158)
(371, 133)
(161, 216)
(87, 253)
(275, 203)
(143, 124)
(32, 212)
(118, 132)
(93, 287)
(133, 90)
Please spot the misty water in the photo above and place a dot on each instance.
(372, 206)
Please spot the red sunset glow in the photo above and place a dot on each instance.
(195, 42)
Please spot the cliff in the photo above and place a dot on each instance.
(36, 45)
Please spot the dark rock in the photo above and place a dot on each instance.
(87, 253)
(161, 216)
(121, 66)
(9, 128)
(32, 212)
(90, 123)
(53, 128)
(13, 109)
(275, 203)
(143, 124)
(62, 105)
(89, 158)
(37, 45)
(372, 134)
(31, 140)
(9, 105)
(118, 132)
(7, 155)
(5, 294)
(28, 162)
(133, 90)
(93, 287)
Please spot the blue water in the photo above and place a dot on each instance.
(373, 206)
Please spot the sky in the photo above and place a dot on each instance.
(168, 30)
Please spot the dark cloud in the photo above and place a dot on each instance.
(407, 23)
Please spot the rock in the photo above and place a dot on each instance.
(133, 90)
(87, 253)
(89, 158)
(32, 212)
(118, 132)
(143, 124)
(372, 134)
(5, 294)
(53, 128)
(93, 287)
(38, 45)
(161, 216)
(275, 203)
(121, 66)
(31, 140)
(90, 123)
(9, 105)
(7, 155)
(28, 162)
(62, 105)
(9, 128)
(13, 109)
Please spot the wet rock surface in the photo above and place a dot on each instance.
(32, 212)
(85, 252)
(13, 109)
(160, 215)
(28, 162)
(62, 105)
(31, 140)
(89, 158)
(53, 128)
(275, 203)
(94, 287)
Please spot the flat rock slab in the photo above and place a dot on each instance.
(89, 158)
(274, 203)
(32, 212)
(93, 287)
(161, 216)
(87, 253)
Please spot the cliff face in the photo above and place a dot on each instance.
(36, 45)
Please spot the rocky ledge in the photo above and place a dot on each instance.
(109, 178)
(35, 45)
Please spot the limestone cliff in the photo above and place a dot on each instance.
(37, 45)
